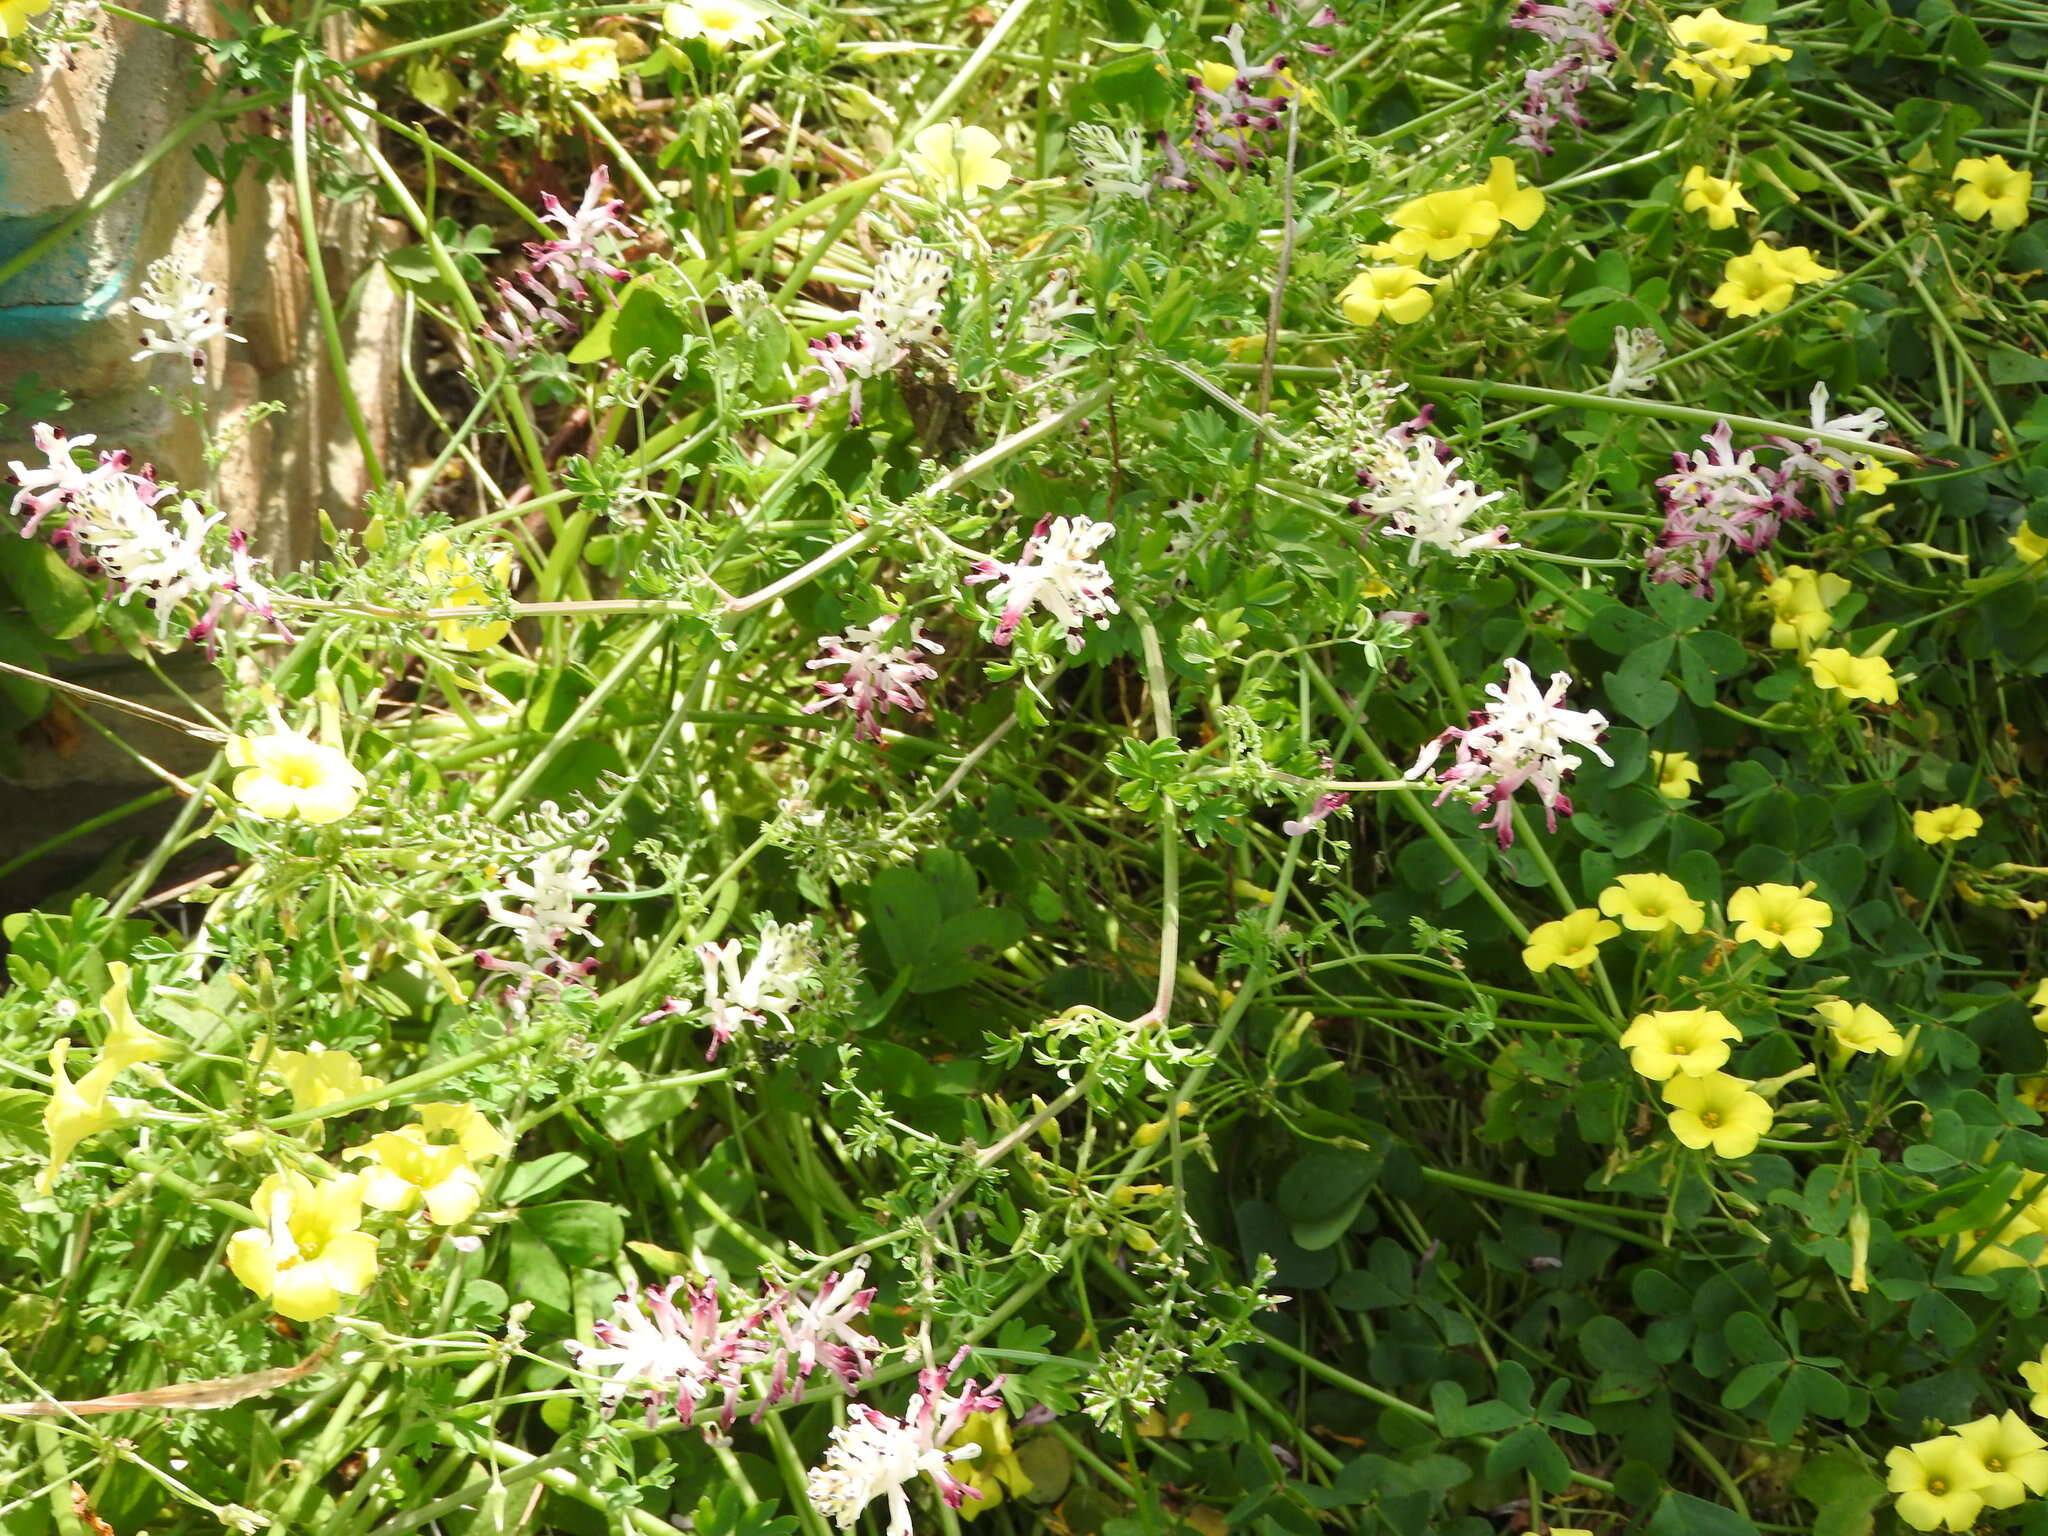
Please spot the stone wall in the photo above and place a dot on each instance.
(68, 132)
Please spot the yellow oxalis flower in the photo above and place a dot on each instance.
(1751, 285)
(1939, 1483)
(1874, 479)
(2031, 547)
(583, 63)
(1947, 824)
(1857, 677)
(995, 1473)
(1719, 51)
(319, 1078)
(1990, 188)
(406, 1170)
(1517, 205)
(458, 582)
(287, 775)
(128, 1041)
(721, 23)
(15, 14)
(308, 1253)
(1717, 1112)
(1571, 941)
(1860, 1027)
(1652, 903)
(957, 160)
(1444, 225)
(1800, 603)
(1796, 262)
(2039, 1003)
(1718, 197)
(2015, 1457)
(75, 1111)
(1780, 916)
(1392, 293)
(2035, 1374)
(1679, 1042)
(1676, 774)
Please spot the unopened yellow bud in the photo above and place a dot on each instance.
(1148, 1134)
(243, 1143)
(1049, 1128)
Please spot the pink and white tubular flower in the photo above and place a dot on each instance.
(899, 314)
(770, 987)
(1583, 52)
(576, 254)
(176, 298)
(878, 677)
(657, 1348)
(1054, 572)
(1522, 738)
(39, 491)
(1410, 478)
(1231, 124)
(873, 1456)
(818, 1332)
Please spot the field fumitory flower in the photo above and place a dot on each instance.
(431, 1164)
(1572, 941)
(1800, 603)
(1947, 824)
(458, 581)
(1521, 738)
(1718, 51)
(1718, 197)
(287, 776)
(720, 23)
(589, 64)
(1989, 188)
(1676, 773)
(1784, 917)
(1939, 1483)
(1056, 571)
(956, 161)
(1651, 904)
(1399, 294)
(879, 676)
(873, 1456)
(1855, 677)
(1860, 1027)
(309, 1252)
(1680, 1042)
(1717, 1112)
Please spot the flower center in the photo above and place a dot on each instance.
(1936, 1485)
(298, 776)
(1711, 1119)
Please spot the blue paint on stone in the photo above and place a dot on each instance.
(22, 323)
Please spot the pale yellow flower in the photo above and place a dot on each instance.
(1716, 196)
(1571, 941)
(1717, 1112)
(318, 1078)
(2012, 1454)
(1718, 51)
(75, 1111)
(956, 160)
(1517, 205)
(1855, 677)
(2031, 547)
(1652, 903)
(457, 581)
(308, 1253)
(1939, 1483)
(1676, 774)
(1860, 1027)
(1800, 603)
(1679, 1042)
(2035, 1374)
(287, 775)
(128, 1041)
(589, 64)
(1780, 917)
(1990, 188)
(405, 1170)
(721, 23)
(1947, 824)
(15, 14)
(1392, 293)
(1444, 225)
